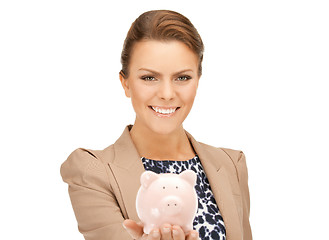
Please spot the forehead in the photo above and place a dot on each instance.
(162, 55)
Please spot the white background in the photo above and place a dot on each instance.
(263, 90)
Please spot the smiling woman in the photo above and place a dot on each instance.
(163, 85)
(161, 67)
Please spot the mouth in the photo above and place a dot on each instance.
(167, 111)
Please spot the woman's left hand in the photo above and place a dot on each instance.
(166, 232)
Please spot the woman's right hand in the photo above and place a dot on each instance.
(166, 232)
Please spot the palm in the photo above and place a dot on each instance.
(135, 230)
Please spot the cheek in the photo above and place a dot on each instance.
(188, 94)
(140, 94)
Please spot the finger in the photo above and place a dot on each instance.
(166, 232)
(144, 237)
(178, 233)
(193, 235)
(134, 229)
(154, 234)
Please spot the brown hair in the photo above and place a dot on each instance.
(161, 25)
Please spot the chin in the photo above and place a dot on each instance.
(164, 129)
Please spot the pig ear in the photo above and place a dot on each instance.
(147, 178)
(189, 176)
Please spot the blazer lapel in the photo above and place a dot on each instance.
(127, 168)
(211, 160)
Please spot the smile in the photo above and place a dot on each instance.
(164, 111)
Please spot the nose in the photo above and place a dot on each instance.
(166, 90)
(172, 205)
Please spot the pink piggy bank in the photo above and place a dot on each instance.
(167, 198)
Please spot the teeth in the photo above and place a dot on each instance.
(164, 111)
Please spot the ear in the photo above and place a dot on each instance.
(147, 178)
(189, 176)
(125, 85)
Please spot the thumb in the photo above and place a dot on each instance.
(134, 229)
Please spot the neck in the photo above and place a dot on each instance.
(152, 145)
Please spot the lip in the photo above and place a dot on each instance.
(163, 107)
(164, 115)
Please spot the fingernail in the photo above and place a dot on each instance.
(175, 232)
(193, 235)
(166, 230)
(124, 226)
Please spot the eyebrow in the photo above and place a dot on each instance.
(157, 73)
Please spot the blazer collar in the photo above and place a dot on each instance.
(126, 153)
(127, 165)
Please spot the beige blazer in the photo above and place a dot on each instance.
(103, 184)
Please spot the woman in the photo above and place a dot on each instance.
(161, 67)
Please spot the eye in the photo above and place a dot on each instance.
(176, 187)
(148, 78)
(184, 78)
(164, 187)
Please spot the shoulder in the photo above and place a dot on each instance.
(81, 158)
(233, 156)
(233, 159)
(78, 161)
(84, 167)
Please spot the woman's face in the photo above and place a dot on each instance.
(163, 77)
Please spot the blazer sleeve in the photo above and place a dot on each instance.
(243, 182)
(95, 207)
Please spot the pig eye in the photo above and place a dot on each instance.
(164, 187)
(176, 187)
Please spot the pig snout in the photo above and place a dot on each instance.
(171, 205)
